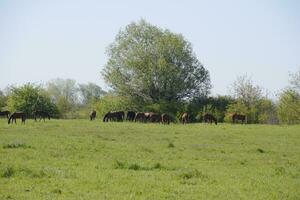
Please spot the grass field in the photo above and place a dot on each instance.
(79, 159)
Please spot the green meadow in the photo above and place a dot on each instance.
(80, 159)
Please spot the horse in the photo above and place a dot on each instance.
(114, 115)
(140, 116)
(154, 117)
(41, 114)
(130, 116)
(239, 117)
(148, 115)
(184, 118)
(93, 115)
(209, 118)
(16, 115)
(5, 113)
(165, 119)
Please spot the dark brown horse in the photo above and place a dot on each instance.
(184, 118)
(165, 119)
(41, 114)
(239, 117)
(130, 116)
(114, 116)
(5, 113)
(93, 115)
(155, 117)
(13, 117)
(209, 118)
(140, 117)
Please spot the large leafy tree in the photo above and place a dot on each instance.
(152, 64)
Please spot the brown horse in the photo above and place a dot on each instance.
(114, 116)
(184, 118)
(130, 116)
(209, 118)
(41, 114)
(93, 115)
(5, 113)
(16, 115)
(140, 116)
(154, 117)
(239, 117)
(165, 119)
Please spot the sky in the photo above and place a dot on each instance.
(43, 40)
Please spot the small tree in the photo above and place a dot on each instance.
(63, 88)
(289, 101)
(90, 92)
(247, 97)
(3, 100)
(29, 98)
(289, 107)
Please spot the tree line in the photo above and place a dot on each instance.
(152, 69)
(64, 98)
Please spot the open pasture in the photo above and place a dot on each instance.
(81, 159)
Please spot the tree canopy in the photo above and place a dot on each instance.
(29, 98)
(153, 64)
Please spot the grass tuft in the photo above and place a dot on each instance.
(8, 172)
(260, 150)
(15, 145)
(119, 165)
(157, 166)
(171, 145)
(135, 167)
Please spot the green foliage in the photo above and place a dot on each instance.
(289, 107)
(90, 92)
(30, 97)
(214, 105)
(112, 102)
(3, 100)
(149, 64)
(63, 90)
(262, 111)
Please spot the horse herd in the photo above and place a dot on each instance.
(22, 115)
(120, 116)
(159, 118)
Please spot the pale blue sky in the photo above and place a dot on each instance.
(42, 40)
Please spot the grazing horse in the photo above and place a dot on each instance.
(238, 117)
(140, 116)
(41, 114)
(148, 115)
(5, 113)
(93, 115)
(184, 118)
(16, 115)
(154, 117)
(209, 118)
(114, 116)
(130, 116)
(165, 119)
